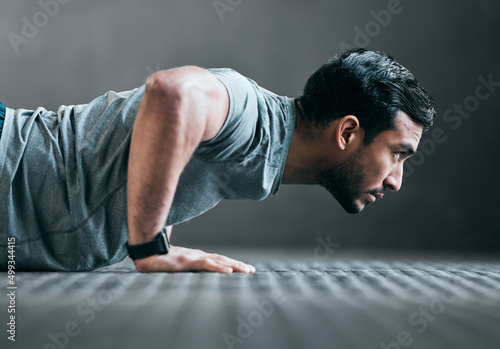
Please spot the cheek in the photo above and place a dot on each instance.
(376, 169)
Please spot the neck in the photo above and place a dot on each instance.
(301, 163)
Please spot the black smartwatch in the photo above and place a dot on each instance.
(159, 245)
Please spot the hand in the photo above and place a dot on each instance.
(186, 259)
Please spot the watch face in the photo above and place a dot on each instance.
(164, 241)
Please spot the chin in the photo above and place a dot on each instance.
(354, 211)
(350, 202)
(352, 207)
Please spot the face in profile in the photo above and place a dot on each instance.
(372, 169)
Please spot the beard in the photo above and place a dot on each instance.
(343, 182)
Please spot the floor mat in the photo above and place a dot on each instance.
(296, 299)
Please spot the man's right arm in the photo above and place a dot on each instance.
(180, 108)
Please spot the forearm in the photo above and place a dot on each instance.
(167, 130)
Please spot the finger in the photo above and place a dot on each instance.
(191, 260)
(242, 267)
(236, 265)
(214, 266)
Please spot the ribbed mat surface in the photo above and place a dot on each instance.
(294, 300)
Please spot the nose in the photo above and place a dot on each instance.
(395, 178)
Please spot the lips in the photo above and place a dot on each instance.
(374, 196)
(371, 198)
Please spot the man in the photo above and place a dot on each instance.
(72, 183)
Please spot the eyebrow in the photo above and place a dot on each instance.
(408, 148)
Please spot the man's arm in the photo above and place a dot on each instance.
(180, 108)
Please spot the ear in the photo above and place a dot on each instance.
(348, 132)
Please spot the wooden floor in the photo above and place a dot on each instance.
(306, 299)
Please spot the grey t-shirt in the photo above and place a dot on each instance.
(63, 175)
(246, 159)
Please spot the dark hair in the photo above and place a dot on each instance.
(368, 84)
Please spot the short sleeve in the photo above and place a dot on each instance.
(235, 138)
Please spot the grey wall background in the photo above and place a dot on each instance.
(449, 201)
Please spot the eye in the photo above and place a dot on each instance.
(399, 155)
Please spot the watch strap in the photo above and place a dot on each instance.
(159, 245)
